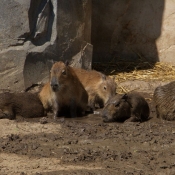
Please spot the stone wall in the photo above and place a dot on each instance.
(129, 30)
(34, 32)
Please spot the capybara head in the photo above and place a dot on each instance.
(58, 75)
(106, 89)
(117, 108)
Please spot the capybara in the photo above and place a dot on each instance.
(64, 91)
(131, 107)
(164, 99)
(25, 104)
(100, 88)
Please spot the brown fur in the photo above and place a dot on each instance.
(64, 90)
(131, 107)
(26, 104)
(100, 88)
(165, 101)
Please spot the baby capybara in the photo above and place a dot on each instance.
(64, 91)
(100, 88)
(25, 104)
(131, 107)
(164, 99)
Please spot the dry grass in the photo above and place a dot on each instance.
(142, 71)
(138, 71)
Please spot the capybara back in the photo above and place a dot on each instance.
(165, 101)
(99, 87)
(25, 104)
(130, 107)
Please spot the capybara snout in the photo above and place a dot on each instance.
(54, 83)
(117, 109)
(131, 107)
(57, 75)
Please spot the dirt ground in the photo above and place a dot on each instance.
(87, 146)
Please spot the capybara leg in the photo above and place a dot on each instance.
(157, 112)
(73, 108)
(92, 105)
(133, 118)
(55, 110)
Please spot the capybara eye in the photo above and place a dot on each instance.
(104, 87)
(117, 104)
(63, 72)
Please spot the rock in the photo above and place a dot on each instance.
(43, 120)
(32, 33)
(132, 31)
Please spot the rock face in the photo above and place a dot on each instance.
(32, 33)
(129, 30)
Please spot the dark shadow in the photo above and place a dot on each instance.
(125, 32)
(37, 67)
(81, 171)
(41, 17)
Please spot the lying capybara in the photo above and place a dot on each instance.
(164, 99)
(25, 104)
(100, 88)
(64, 91)
(131, 107)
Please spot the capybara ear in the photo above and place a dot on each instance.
(67, 63)
(125, 96)
(103, 77)
(52, 61)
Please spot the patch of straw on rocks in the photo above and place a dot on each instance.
(144, 71)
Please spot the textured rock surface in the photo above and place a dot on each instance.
(133, 30)
(34, 32)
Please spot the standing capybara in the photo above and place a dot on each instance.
(100, 88)
(164, 99)
(64, 91)
(25, 104)
(131, 107)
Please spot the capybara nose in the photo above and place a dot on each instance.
(54, 86)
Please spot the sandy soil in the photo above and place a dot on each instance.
(87, 146)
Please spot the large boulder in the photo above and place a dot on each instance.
(129, 30)
(34, 32)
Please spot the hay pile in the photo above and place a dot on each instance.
(141, 71)
(138, 71)
(160, 72)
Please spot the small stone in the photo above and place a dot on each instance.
(43, 120)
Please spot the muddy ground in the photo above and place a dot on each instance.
(87, 146)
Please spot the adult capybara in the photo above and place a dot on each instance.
(25, 104)
(130, 107)
(100, 88)
(64, 91)
(164, 99)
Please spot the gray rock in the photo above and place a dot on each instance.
(32, 33)
(128, 30)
